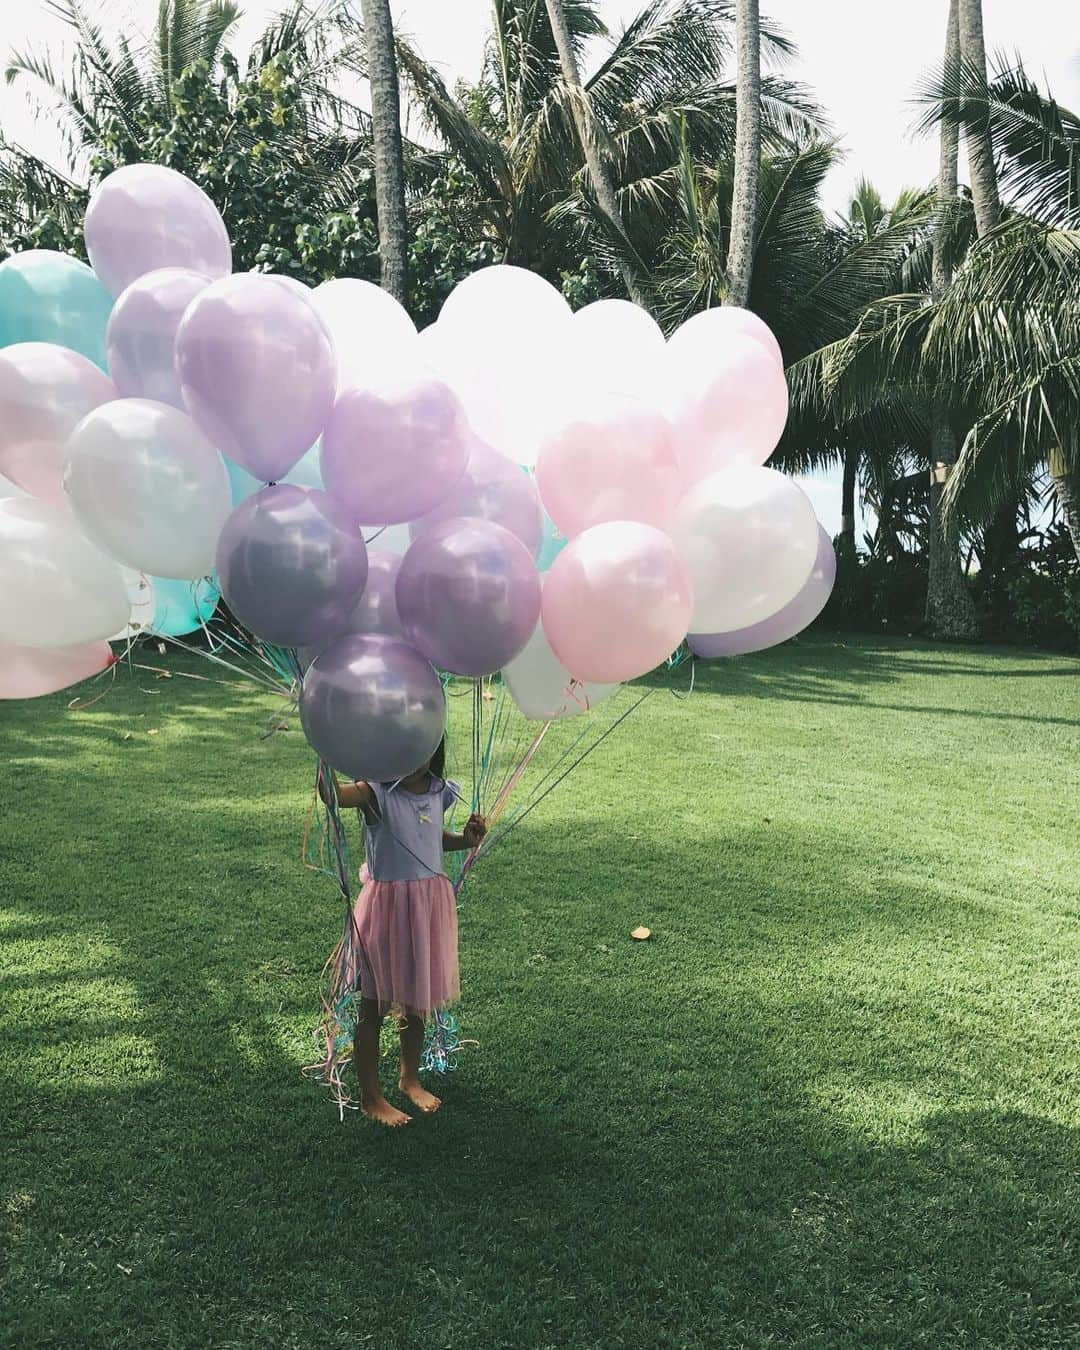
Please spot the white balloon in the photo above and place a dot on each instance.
(372, 333)
(617, 348)
(140, 589)
(148, 486)
(502, 295)
(542, 687)
(10, 489)
(750, 538)
(514, 392)
(56, 588)
(502, 344)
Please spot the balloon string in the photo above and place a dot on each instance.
(492, 841)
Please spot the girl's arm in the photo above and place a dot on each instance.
(471, 837)
(349, 794)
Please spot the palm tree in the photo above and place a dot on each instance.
(950, 609)
(658, 82)
(1009, 330)
(972, 58)
(602, 184)
(747, 151)
(389, 160)
(869, 218)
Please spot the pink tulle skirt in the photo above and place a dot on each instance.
(405, 935)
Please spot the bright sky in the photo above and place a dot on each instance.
(861, 58)
(863, 70)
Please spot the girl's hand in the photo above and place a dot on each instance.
(474, 831)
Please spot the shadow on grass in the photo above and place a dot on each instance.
(625, 1161)
(834, 670)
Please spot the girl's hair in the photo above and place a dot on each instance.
(436, 765)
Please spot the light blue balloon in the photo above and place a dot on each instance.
(551, 546)
(53, 297)
(304, 473)
(182, 607)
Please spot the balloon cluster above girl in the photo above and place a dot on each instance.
(562, 497)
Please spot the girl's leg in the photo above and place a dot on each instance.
(366, 1059)
(412, 1045)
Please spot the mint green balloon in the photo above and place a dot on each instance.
(182, 607)
(552, 545)
(53, 297)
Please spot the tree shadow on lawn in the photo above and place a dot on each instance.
(835, 671)
(641, 1151)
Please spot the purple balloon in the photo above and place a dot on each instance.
(492, 488)
(292, 565)
(145, 216)
(141, 337)
(390, 455)
(468, 594)
(376, 610)
(257, 371)
(796, 615)
(373, 707)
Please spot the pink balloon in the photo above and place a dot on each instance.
(728, 401)
(257, 372)
(390, 455)
(616, 602)
(141, 338)
(45, 391)
(614, 461)
(724, 322)
(492, 488)
(29, 672)
(145, 216)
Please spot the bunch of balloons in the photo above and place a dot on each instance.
(560, 497)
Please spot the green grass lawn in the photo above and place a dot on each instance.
(833, 1103)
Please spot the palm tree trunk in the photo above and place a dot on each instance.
(744, 200)
(1067, 486)
(950, 610)
(984, 189)
(846, 542)
(602, 183)
(389, 160)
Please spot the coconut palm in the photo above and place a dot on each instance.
(972, 65)
(747, 151)
(1004, 337)
(599, 176)
(389, 160)
(657, 82)
(950, 609)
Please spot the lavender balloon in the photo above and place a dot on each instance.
(392, 454)
(796, 615)
(292, 565)
(376, 610)
(373, 707)
(145, 216)
(141, 337)
(468, 594)
(257, 371)
(492, 488)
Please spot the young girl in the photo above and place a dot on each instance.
(405, 923)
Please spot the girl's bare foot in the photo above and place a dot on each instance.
(379, 1109)
(419, 1095)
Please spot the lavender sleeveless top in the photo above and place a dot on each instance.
(405, 844)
